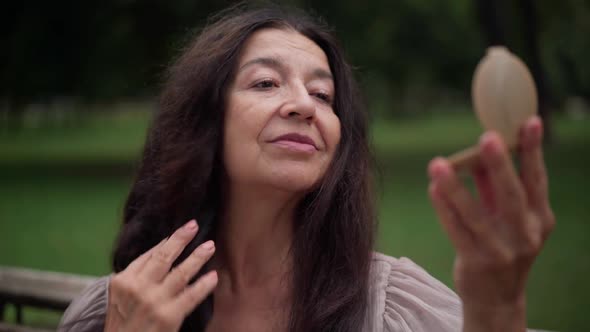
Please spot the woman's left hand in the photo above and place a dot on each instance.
(498, 235)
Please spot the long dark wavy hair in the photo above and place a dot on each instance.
(181, 170)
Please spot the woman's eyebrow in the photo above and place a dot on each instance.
(322, 74)
(266, 61)
(277, 64)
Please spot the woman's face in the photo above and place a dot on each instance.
(280, 128)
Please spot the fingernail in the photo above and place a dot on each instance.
(191, 225)
(208, 245)
(212, 276)
(486, 138)
(489, 142)
(535, 126)
(535, 121)
(431, 166)
(439, 169)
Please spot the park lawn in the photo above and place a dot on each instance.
(60, 209)
(94, 138)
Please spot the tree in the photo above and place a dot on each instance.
(493, 18)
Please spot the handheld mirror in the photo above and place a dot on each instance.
(504, 97)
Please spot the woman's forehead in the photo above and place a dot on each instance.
(284, 45)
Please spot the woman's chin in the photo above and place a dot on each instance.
(286, 177)
(292, 185)
(295, 180)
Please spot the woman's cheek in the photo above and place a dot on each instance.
(331, 132)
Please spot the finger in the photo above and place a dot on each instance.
(136, 266)
(161, 260)
(532, 171)
(195, 294)
(454, 193)
(461, 238)
(179, 277)
(508, 193)
(484, 189)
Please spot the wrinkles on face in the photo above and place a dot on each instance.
(283, 85)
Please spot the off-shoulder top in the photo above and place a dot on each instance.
(403, 297)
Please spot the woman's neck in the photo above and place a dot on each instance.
(255, 237)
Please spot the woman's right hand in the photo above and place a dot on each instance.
(147, 296)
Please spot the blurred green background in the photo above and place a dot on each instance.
(79, 80)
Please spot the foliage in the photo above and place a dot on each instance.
(407, 51)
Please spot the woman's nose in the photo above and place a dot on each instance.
(301, 105)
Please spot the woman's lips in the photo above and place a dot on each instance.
(296, 142)
(295, 146)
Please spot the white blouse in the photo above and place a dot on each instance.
(403, 298)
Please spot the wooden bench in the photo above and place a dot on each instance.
(42, 289)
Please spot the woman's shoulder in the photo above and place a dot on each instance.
(87, 313)
(404, 297)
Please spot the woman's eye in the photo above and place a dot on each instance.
(265, 84)
(324, 97)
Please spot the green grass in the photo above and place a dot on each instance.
(61, 194)
(98, 137)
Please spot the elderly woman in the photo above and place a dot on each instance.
(252, 208)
